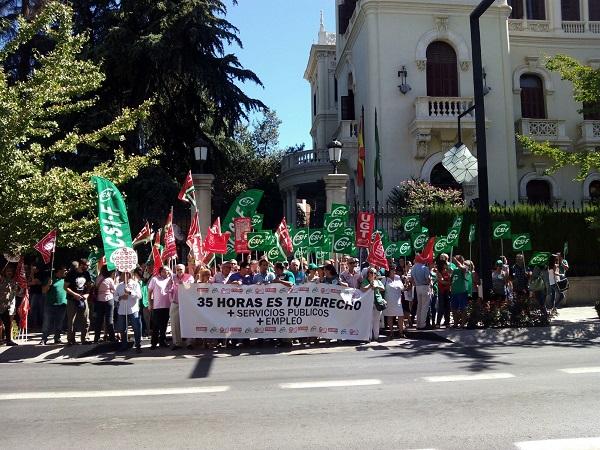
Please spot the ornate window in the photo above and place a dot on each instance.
(532, 97)
(570, 10)
(539, 192)
(442, 71)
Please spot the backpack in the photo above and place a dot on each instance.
(537, 283)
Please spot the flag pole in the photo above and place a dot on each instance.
(53, 253)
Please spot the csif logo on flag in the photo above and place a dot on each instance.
(106, 195)
(334, 225)
(273, 254)
(458, 221)
(501, 230)
(452, 235)
(539, 258)
(299, 237)
(419, 241)
(404, 248)
(391, 250)
(522, 242)
(246, 202)
(440, 244)
(341, 244)
(411, 223)
(315, 237)
(256, 241)
(339, 211)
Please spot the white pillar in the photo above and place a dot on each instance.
(335, 188)
(203, 188)
(294, 208)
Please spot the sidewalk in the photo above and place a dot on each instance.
(573, 325)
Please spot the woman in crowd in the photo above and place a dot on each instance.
(331, 276)
(393, 296)
(104, 305)
(444, 281)
(129, 294)
(373, 284)
(499, 280)
(312, 274)
(160, 290)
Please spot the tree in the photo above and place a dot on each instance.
(586, 89)
(36, 192)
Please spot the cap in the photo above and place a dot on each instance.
(232, 261)
(312, 266)
(352, 260)
(499, 262)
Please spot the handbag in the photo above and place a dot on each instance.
(381, 304)
(563, 284)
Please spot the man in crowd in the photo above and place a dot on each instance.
(264, 276)
(520, 276)
(8, 293)
(296, 271)
(181, 277)
(421, 277)
(222, 276)
(351, 276)
(78, 284)
(283, 276)
(160, 290)
(243, 276)
(56, 305)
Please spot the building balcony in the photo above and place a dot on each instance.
(536, 26)
(589, 135)
(442, 112)
(544, 26)
(573, 27)
(594, 27)
(303, 167)
(347, 133)
(544, 130)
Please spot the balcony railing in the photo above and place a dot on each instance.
(441, 108)
(589, 133)
(594, 27)
(573, 27)
(303, 158)
(551, 130)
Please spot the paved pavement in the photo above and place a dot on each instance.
(416, 393)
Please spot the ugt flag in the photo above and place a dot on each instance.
(112, 214)
(47, 246)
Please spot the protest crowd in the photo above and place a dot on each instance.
(423, 294)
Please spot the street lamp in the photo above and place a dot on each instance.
(335, 153)
(200, 153)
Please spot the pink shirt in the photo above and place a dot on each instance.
(162, 289)
(106, 289)
(185, 278)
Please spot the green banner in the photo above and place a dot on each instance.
(453, 236)
(441, 245)
(458, 221)
(276, 254)
(392, 250)
(339, 210)
(419, 240)
(405, 248)
(348, 231)
(411, 224)
(539, 259)
(244, 206)
(316, 238)
(300, 238)
(112, 214)
(257, 222)
(259, 241)
(342, 244)
(501, 230)
(472, 233)
(521, 242)
(333, 223)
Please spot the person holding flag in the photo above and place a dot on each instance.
(8, 295)
(129, 293)
(371, 282)
(160, 290)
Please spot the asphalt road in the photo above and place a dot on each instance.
(417, 395)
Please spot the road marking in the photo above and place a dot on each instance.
(327, 384)
(575, 370)
(481, 376)
(116, 393)
(559, 444)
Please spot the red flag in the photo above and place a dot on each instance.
(216, 242)
(21, 280)
(144, 236)
(427, 252)
(187, 191)
(170, 250)
(377, 253)
(242, 226)
(47, 246)
(285, 239)
(156, 255)
(194, 238)
(364, 229)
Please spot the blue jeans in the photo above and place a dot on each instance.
(53, 321)
(555, 296)
(136, 322)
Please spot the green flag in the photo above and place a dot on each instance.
(453, 236)
(276, 254)
(472, 233)
(539, 259)
(257, 222)
(501, 230)
(378, 177)
(404, 248)
(392, 250)
(112, 215)
(411, 224)
(348, 231)
(244, 206)
(521, 242)
(259, 241)
(333, 223)
(458, 221)
(565, 249)
(339, 210)
(441, 245)
(300, 238)
(419, 240)
(316, 239)
(342, 244)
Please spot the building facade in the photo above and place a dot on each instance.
(411, 61)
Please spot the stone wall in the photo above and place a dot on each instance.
(583, 291)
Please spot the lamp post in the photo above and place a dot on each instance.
(200, 154)
(404, 86)
(482, 178)
(202, 183)
(335, 154)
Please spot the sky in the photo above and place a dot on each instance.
(277, 35)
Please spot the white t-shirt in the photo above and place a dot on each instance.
(131, 304)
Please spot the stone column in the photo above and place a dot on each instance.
(203, 191)
(335, 188)
(294, 207)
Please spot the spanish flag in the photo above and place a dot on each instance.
(360, 178)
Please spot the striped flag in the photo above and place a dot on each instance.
(187, 191)
(144, 236)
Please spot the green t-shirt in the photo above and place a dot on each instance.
(469, 280)
(459, 282)
(144, 288)
(376, 292)
(57, 295)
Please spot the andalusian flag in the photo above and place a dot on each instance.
(360, 167)
(187, 191)
(378, 177)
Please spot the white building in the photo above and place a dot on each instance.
(361, 67)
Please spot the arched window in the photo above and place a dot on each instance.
(532, 97)
(441, 178)
(594, 10)
(442, 71)
(595, 191)
(539, 192)
(570, 10)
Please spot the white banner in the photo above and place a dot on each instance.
(274, 311)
